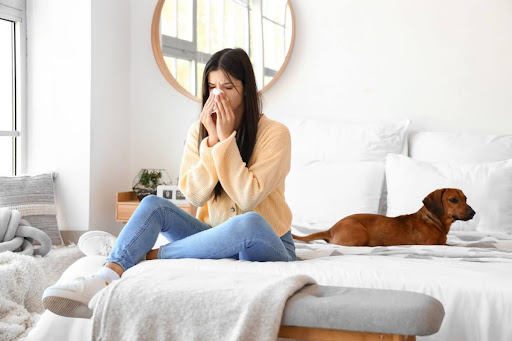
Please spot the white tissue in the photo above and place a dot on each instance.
(215, 92)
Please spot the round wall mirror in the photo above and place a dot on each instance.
(186, 33)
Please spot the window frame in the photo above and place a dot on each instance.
(15, 11)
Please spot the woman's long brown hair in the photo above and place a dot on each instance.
(236, 63)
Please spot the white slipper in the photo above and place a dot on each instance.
(96, 243)
(72, 299)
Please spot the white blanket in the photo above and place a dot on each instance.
(22, 282)
(462, 246)
(197, 305)
(20, 300)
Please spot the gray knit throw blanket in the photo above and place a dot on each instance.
(16, 235)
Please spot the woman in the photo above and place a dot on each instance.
(233, 168)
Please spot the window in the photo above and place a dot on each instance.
(11, 87)
(7, 117)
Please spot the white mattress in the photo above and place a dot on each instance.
(473, 280)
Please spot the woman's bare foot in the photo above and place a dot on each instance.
(153, 254)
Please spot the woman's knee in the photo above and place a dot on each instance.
(155, 201)
(254, 221)
(252, 218)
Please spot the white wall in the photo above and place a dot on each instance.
(110, 110)
(58, 105)
(444, 65)
(78, 105)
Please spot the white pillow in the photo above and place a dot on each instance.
(488, 187)
(459, 147)
(320, 194)
(338, 141)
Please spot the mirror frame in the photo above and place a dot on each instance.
(159, 57)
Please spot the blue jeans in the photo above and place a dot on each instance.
(246, 236)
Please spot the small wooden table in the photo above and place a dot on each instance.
(127, 202)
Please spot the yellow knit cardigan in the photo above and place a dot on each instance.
(257, 186)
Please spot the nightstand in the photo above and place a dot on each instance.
(127, 202)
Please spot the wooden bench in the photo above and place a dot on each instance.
(319, 312)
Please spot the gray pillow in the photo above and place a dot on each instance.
(34, 197)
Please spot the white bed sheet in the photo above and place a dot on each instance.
(473, 281)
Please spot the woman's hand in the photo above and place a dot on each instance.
(225, 117)
(209, 121)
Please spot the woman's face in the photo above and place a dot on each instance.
(231, 86)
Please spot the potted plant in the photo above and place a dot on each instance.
(147, 180)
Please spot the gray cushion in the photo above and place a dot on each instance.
(364, 310)
(34, 197)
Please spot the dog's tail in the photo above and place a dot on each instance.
(325, 235)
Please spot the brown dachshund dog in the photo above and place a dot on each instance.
(428, 226)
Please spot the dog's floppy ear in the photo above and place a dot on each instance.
(434, 202)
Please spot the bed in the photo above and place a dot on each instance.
(473, 281)
(383, 168)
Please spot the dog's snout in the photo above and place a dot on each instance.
(470, 212)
